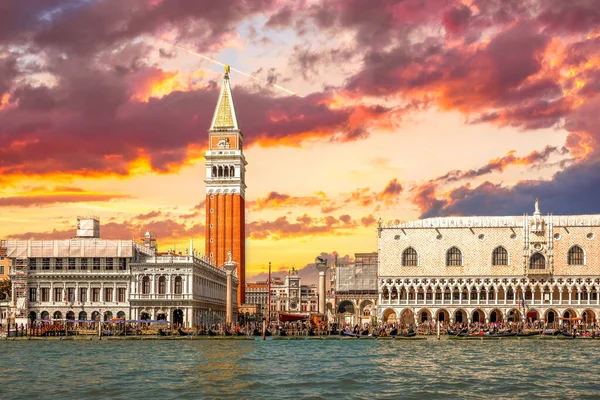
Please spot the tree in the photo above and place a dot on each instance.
(5, 288)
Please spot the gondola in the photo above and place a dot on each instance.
(238, 333)
(211, 333)
(394, 332)
(282, 332)
(227, 333)
(182, 332)
(551, 332)
(527, 334)
(410, 333)
(505, 334)
(365, 332)
(162, 333)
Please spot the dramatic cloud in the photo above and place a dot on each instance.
(363, 197)
(575, 190)
(305, 225)
(499, 164)
(308, 272)
(166, 230)
(58, 195)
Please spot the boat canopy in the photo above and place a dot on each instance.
(285, 317)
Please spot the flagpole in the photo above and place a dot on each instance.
(268, 304)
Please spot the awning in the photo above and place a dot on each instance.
(284, 317)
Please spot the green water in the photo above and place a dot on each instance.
(325, 369)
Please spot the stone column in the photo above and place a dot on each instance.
(229, 267)
(322, 268)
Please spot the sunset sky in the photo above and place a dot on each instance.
(404, 109)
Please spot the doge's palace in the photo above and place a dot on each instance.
(489, 269)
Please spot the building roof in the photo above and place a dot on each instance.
(73, 248)
(225, 118)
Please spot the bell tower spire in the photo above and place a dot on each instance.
(226, 187)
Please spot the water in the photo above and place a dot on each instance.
(324, 369)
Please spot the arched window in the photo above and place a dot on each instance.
(121, 315)
(146, 285)
(214, 171)
(162, 285)
(537, 261)
(500, 256)
(178, 285)
(57, 315)
(82, 316)
(226, 171)
(454, 257)
(410, 258)
(231, 171)
(576, 256)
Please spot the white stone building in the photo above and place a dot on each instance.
(89, 278)
(490, 268)
(182, 289)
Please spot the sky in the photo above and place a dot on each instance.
(351, 110)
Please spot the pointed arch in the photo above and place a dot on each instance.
(454, 257)
(231, 171)
(226, 171)
(214, 171)
(500, 256)
(576, 256)
(220, 174)
(410, 257)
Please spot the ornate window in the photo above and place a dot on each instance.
(454, 257)
(576, 256)
(537, 261)
(231, 171)
(410, 258)
(162, 285)
(145, 285)
(178, 285)
(214, 171)
(500, 256)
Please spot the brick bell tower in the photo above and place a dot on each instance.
(226, 188)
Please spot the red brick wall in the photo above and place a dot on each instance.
(228, 234)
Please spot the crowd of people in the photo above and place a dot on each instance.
(297, 328)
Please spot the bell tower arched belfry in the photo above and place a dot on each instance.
(226, 188)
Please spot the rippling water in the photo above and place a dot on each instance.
(299, 369)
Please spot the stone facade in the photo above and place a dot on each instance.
(487, 268)
(181, 289)
(287, 295)
(91, 278)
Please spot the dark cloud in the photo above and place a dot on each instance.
(147, 216)
(575, 190)
(37, 200)
(499, 164)
(164, 230)
(574, 16)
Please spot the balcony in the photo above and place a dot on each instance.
(160, 296)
